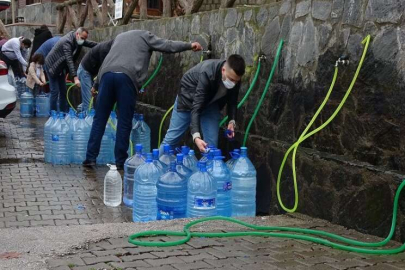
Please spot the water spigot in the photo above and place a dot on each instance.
(344, 60)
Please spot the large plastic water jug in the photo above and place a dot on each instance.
(61, 141)
(141, 134)
(27, 104)
(145, 191)
(181, 169)
(189, 159)
(90, 117)
(80, 138)
(155, 154)
(42, 105)
(48, 136)
(234, 156)
(243, 177)
(222, 177)
(171, 195)
(201, 193)
(106, 153)
(112, 187)
(130, 166)
(166, 157)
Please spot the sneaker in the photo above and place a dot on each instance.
(88, 163)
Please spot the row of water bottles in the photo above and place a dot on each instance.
(169, 186)
(31, 106)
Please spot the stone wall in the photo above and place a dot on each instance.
(348, 172)
(44, 13)
(209, 5)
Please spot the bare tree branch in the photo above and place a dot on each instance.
(227, 3)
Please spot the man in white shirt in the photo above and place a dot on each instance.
(14, 53)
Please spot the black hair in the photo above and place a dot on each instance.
(27, 41)
(237, 64)
(38, 58)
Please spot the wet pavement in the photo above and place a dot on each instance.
(84, 234)
(37, 194)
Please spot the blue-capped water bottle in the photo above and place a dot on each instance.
(171, 195)
(27, 104)
(130, 166)
(48, 136)
(141, 134)
(201, 193)
(80, 138)
(145, 191)
(234, 156)
(166, 157)
(222, 177)
(60, 146)
(157, 162)
(181, 169)
(189, 159)
(42, 105)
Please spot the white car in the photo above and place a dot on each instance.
(8, 94)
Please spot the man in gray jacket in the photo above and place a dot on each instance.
(60, 59)
(120, 77)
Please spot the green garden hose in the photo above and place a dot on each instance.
(305, 136)
(67, 95)
(273, 69)
(346, 244)
(247, 92)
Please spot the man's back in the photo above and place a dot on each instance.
(93, 59)
(47, 46)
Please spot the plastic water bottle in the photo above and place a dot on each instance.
(222, 177)
(112, 187)
(141, 134)
(60, 146)
(171, 195)
(166, 158)
(189, 160)
(27, 105)
(234, 156)
(204, 157)
(201, 193)
(130, 166)
(243, 177)
(193, 161)
(70, 115)
(145, 191)
(80, 138)
(181, 169)
(42, 105)
(210, 159)
(157, 162)
(90, 117)
(107, 146)
(48, 136)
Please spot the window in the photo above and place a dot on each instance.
(155, 4)
(30, 2)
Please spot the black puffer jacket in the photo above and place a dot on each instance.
(198, 88)
(61, 55)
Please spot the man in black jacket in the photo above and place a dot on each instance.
(204, 91)
(60, 59)
(88, 69)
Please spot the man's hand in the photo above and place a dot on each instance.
(93, 92)
(196, 46)
(202, 146)
(42, 84)
(77, 82)
(231, 127)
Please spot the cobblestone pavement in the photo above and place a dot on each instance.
(34, 194)
(37, 194)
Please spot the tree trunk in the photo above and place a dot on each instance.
(104, 11)
(227, 3)
(4, 31)
(167, 8)
(191, 6)
(143, 9)
(72, 15)
(129, 12)
(84, 14)
(61, 20)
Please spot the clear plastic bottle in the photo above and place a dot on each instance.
(171, 195)
(189, 160)
(80, 138)
(234, 156)
(90, 117)
(141, 134)
(166, 157)
(27, 104)
(145, 191)
(130, 166)
(222, 177)
(163, 167)
(243, 177)
(112, 187)
(201, 193)
(60, 146)
(48, 136)
(181, 169)
(106, 147)
(42, 105)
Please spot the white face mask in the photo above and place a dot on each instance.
(228, 84)
(79, 41)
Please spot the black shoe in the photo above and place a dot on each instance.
(120, 167)
(88, 163)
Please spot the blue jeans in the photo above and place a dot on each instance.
(114, 87)
(180, 122)
(58, 90)
(86, 83)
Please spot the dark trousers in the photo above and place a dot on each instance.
(57, 85)
(114, 88)
(15, 66)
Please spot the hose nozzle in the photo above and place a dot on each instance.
(344, 60)
(262, 57)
